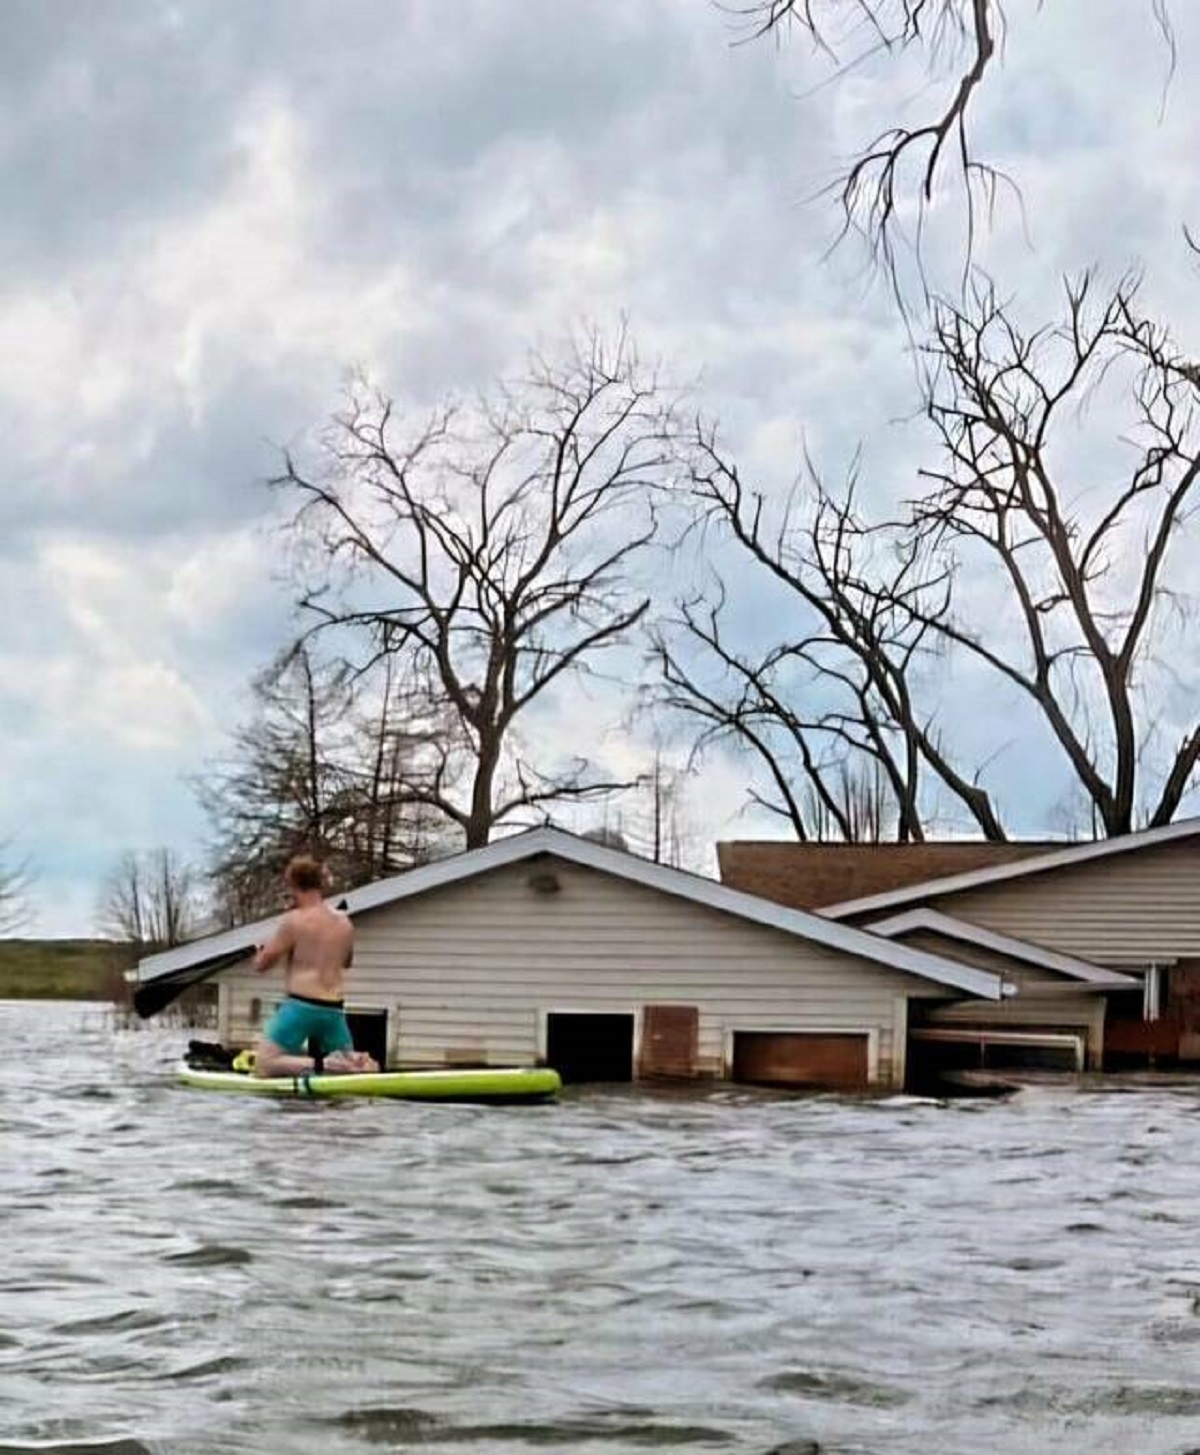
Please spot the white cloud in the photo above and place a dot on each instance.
(112, 703)
(234, 286)
(219, 579)
(111, 683)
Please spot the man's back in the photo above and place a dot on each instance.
(322, 945)
(316, 945)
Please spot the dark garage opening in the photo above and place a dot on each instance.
(937, 1055)
(585, 1047)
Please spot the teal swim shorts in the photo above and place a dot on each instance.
(299, 1021)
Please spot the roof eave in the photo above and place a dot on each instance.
(938, 922)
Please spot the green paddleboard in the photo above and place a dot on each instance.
(500, 1083)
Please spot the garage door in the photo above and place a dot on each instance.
(795, 1058)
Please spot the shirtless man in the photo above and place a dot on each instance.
(317, 945)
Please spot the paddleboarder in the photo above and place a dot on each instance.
(316, 944)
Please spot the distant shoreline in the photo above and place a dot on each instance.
(81, 970)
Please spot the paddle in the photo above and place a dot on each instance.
(158, 993)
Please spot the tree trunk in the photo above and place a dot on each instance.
(480, 819)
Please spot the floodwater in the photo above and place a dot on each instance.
(615, 1273)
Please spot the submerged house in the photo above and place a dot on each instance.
(547, 948)
(1102, 939)
(832, 965)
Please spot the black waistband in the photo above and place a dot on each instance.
(311, 1000)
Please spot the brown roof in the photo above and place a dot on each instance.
(811, 876)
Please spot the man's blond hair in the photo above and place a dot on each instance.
(304, 874)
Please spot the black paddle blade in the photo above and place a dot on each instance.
(157, 994)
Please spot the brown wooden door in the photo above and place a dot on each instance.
(670, 1036)
(792, 1058)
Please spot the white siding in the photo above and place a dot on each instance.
(466, 970)
(1129, 910)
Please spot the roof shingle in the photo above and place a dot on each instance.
(811, 876)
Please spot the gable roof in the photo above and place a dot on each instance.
(217, 951)
(808, 876)
(1065, 857)
(933, 920)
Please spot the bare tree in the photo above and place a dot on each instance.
(15, 883)
(960, 41)
(123, 910)
(856, 807)
(1009, 564)
(665, 825)
(840, 696)
(487, 553)
(398, 739)
(269, 796)
(653, 819)
(151, 901)
(1088, 571)
(318, 767)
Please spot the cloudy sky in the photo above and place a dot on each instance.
(212, 212)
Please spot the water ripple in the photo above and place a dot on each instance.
(759, 1275)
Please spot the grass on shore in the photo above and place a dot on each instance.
(61, 969)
